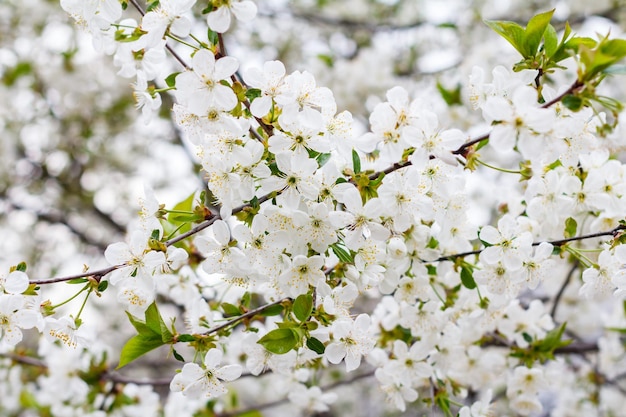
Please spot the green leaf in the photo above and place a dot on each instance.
(171, 79)
(615, 48)
(21, 267)
(252, 93)
(11, 75)
(138, 346)
(451, 97)
(315, 345)
(155, 322)
(534, 31)
(185, 338)
(467, 278)
(550, 41)
(341, 253)
(570, 227)
(212, 36)
(572, 102)
(279, 341)
(185, 205)
(103, 286)
(274, 310)
(356, 162)
(322, 159)
(139, 325)
(512, 32)
(246, 298)
(230, 310)
(178, 356)
(303, 306)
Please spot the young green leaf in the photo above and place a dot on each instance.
(341, 253)
(155, 322)
(138, 346)
(534, 32)
(185, 206)
(171, 79)
(550, 41)
(315, 345)
(512, 32)
(272, 310)
(279, 341)
(467, 278)
(230, 310)
(570, 227)
(303, 306)
(356, 162)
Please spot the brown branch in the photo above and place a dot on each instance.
(25, 360)
(558, 296)
(114, 377)
(560, 242)
(250, 313)
(97, 275)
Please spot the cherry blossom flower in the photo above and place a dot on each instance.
(517, 322)
(480, 408)
(270, 81)
(67, 331)
(200, 90)
(206, 380)
(16, 282)
(220, 18)
(301, 92)
(521, 118)
(301, 272)
(598, 281)
(134, 258)
(311, 399)
(220, 256)
(14, 317)
(93, 14)
(168, 15)
(508, 244)
(395, 387)
(351, 340)
(148, 101)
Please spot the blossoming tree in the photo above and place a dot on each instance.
(454, 242)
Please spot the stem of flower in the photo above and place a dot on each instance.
(72, 297)
(508, 171)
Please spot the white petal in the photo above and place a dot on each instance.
(335, 352)
(219, 20)
(213, 358)
(225, 67)
(244, 11)
(229, 372)
(16, 282)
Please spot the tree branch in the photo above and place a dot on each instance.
(250, 313)
(558, 296)
(559, 242)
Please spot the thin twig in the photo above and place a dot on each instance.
(559, 242)
(250, 313)
(558, 296)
